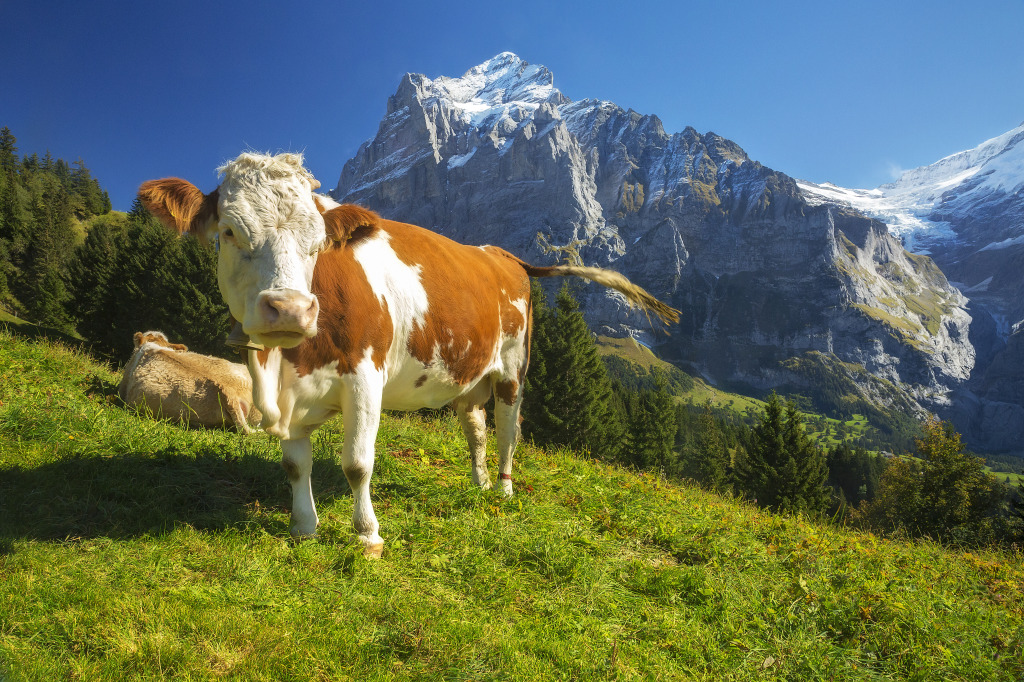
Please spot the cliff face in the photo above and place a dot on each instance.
(967, 211)
(500, 156)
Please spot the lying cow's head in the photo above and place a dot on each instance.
(268, 227)
(157, 338)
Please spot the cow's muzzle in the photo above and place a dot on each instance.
(284, 317)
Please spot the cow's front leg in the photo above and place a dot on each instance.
(298, 464)
(361, 415)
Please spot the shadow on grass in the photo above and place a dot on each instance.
(137, 494)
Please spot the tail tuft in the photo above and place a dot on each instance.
(635, 295)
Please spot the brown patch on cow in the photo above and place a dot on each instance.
(262, 356)
(291, 470)
(422, 380)
(529, 340)
(512, 321)
(346, 222)
(179, 204)
(507, 391)
(468, 310)
(352, 319)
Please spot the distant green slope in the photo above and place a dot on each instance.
(25, 329)
(133, 549)
(625, 357)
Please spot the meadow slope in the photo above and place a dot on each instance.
(133, 549)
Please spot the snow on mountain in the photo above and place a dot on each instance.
(924, 204)
(502, 87)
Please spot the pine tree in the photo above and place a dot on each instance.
(40, 285)
(8, 151)
(808, 491)
(783, 469)
(707, 460)
(95, 279)
(89, 196)
(14, 222)
(171, 283)
(651, 429)
(853, 474)
(568, 393)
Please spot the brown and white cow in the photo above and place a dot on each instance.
(357, 313)
(187, 388)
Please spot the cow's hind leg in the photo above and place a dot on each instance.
(474, 425)
(506, 427)
(298, 464)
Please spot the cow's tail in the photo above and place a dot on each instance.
(635, 295)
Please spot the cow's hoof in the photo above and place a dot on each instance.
(298, 534)
(372, 549)
(506, 488)
(481, 479)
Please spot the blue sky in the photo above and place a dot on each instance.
(841, 92)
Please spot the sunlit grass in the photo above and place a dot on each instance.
(133, 549)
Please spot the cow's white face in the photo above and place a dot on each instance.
(268, 228)
(269, 232)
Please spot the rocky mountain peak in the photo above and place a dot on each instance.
(502, 87)
(762, 275)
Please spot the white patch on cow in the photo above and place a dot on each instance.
(292, 405)
(307, 402)
(361, 405)
(400, 286)
(393, 281)
(520, 305)
(266, 388)
(405, 391)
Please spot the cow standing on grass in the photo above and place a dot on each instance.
(356, 313)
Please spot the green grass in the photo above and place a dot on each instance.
(132, 549)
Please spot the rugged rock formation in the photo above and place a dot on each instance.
(761, 274)
(967, 212)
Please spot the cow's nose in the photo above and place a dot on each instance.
(287, 309)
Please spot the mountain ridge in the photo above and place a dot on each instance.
(762, 272)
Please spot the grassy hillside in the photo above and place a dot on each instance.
(132, 549)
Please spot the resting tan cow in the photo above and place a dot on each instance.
(357, 313)
(187, 388)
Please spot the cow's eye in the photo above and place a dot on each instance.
(229, 232)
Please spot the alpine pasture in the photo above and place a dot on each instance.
(137, 549)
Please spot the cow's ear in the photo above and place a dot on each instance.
(342, 222)
(137, 339)
(180, 205)
(179, 347)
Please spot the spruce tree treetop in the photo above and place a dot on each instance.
(783, 469)
(568, 393)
